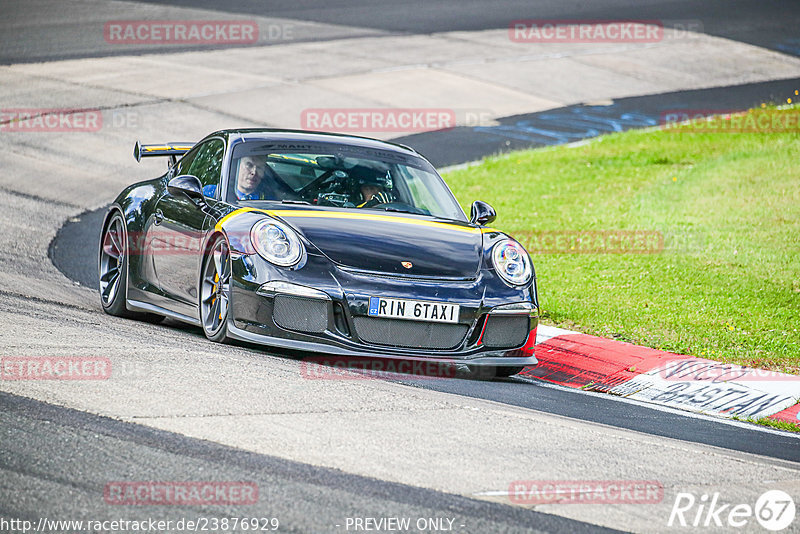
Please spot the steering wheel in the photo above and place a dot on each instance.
(338, 174)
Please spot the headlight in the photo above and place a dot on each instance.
(512, 262)
(276, 243)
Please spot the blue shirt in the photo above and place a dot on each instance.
(211, 190)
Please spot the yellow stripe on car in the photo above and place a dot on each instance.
(368, 217)
(292, 158)
(352, 216)
(150, 148)
(218, 226)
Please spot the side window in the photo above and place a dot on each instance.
(182, 167)
(207, 165)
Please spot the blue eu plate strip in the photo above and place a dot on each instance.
(373, 305)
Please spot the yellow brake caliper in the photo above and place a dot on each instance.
(216, 280)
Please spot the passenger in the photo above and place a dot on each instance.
(374, 187)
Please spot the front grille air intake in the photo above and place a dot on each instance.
(410, 334)
(506, 331)
(301, 314)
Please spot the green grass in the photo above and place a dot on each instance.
(772, 423)
(727, 283)
(780, 425)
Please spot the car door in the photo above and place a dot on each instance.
(180, 224)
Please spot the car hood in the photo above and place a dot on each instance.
(381, 243)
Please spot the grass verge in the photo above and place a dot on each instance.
(772, 423)
(706, 258)
(780, 425)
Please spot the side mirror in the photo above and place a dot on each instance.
(187, 185)
(482, 213)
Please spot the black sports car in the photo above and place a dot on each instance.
(319, 242)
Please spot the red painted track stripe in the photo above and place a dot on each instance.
(577, 360)
(789, 415)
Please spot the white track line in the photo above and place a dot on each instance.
(662, 408)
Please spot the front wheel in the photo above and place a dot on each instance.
(490, 372)
(215, 291)
(113, 271)
(112, 268)
(505, 372)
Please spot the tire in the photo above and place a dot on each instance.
(505, 372)
(489, 372)
(214, 293)
(113, 266)
(113, 272)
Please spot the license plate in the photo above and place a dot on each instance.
(415, 310)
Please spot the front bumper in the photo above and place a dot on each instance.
(344, 296)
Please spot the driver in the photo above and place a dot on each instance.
(250, 176)
(374, 187)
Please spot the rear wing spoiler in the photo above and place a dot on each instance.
(173, 150)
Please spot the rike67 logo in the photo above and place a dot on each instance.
(774, 510)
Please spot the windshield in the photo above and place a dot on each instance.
(345, 177)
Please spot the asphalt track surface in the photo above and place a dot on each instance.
(74, 252)
(36, 436)
(42, 30)
(769, 24)
(300, 496)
